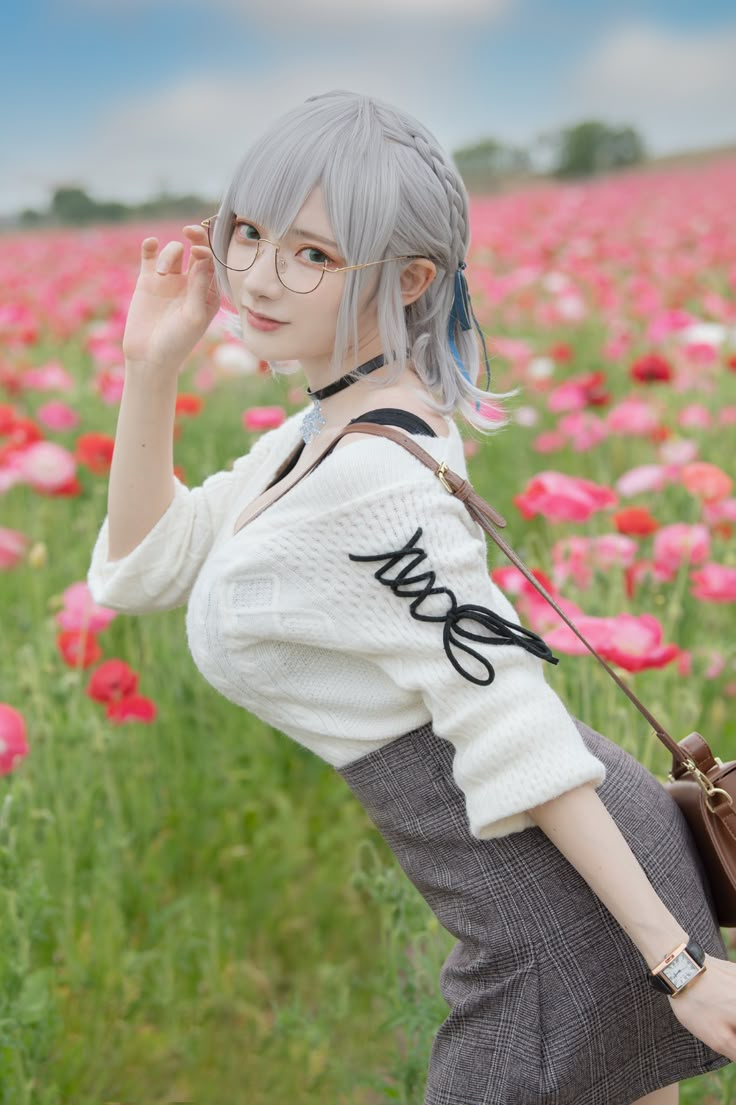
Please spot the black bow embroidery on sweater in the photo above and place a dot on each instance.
(506, 631)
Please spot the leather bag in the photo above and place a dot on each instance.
(701, 784)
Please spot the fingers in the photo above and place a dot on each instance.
(170, 259)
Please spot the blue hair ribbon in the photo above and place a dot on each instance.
(461, 313)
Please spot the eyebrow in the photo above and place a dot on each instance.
(301, 233)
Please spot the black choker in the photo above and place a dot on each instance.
(313, 421)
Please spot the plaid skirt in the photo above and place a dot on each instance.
(548, 996)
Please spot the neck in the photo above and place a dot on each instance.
(359, 397)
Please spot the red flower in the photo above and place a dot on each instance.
(95, 451)
(561, 353)
(659, 433)
(23, 432)
(651, 369)
(133, 708)
(69, 489)
(7, 418)
(188, 404)
(731, 363)
(78, 649)
(179, 473)
(112, 681)
(594, 385)
(635, 521)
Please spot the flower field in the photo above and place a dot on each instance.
(192, 907)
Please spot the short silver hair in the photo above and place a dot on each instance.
(389, 189)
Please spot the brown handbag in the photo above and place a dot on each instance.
(703, 787)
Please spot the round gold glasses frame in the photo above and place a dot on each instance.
(207, 224)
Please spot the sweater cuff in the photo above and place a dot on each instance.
(504, 801)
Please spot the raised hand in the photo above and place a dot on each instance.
(171, 307)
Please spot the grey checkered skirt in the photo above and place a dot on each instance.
(549, 1000)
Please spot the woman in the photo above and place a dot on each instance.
(330, 581)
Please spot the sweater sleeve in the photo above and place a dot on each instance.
(424, 608)
(159, 573)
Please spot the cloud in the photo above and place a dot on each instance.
(191, 135)
(298, 13)
(679, 86)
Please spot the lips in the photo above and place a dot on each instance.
(266, 318)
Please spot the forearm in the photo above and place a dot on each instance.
(141, 484)
(580, 826)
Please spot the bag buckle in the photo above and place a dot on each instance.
(440, 474)
(708, 786)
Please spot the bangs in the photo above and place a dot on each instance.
(345, 152)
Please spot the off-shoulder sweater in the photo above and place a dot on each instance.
(355, 608)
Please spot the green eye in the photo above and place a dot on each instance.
(321, 259)
(244, 227)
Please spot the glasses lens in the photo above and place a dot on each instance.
(298, 272)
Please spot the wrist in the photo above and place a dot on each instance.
(159, 375)
(679, 969)
(657, 942)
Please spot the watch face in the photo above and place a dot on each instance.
(681, 970)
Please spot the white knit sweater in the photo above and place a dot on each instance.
(280, 619)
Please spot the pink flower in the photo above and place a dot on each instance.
(701, 353)
(45, 466)
(633, 417)
(723, 511)
(81, 612)
(562, 498)
(633, 642)
(707, 481)
(645, 477)
(49, 377)
(13, 739)
(109, 384)
(13, 545)
(667, 322)
(694, 417)
(714, 583)
(57, 416)
(578, 556)
(263, 418)
(549, 442)
(678, 451)
(531, 605)
(584, 429)
(727, 416)
(680, 543)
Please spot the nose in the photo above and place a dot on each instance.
(261, 278)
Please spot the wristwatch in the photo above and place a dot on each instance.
(681, 966)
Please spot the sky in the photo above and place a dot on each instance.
(129, 97)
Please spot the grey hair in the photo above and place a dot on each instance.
(389, 189)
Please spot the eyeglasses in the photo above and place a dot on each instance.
(298, 272)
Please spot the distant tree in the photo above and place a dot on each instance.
(484, 164)
(72, 205)
(592, 147)
(110, 211)
(29, 217)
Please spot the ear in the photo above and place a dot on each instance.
(416, 278)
